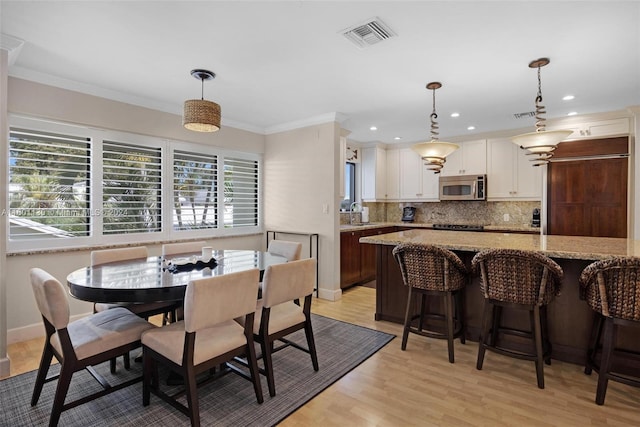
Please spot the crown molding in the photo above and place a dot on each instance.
(311, 121)
(12, 45)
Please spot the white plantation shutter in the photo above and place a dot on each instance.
(131, 188)
(240, 192)
(48, 185)
(195, 191)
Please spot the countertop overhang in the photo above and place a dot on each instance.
(565, 247)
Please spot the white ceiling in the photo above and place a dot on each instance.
(278, 63)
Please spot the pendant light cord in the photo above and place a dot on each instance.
(540, 109)
(433, 117)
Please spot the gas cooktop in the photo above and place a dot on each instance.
(458, 227)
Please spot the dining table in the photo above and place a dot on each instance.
(158, 278)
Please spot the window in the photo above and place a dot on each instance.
(240, 192)
(77, 186)
(131, 190)
(350, 186)
(48, 185)
(195, 201)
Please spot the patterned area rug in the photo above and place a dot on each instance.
(228, 401)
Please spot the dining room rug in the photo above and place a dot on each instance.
(228, 401)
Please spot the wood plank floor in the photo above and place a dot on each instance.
(419, 387)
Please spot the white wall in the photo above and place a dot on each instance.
(301, 187)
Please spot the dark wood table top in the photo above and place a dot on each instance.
(149, 280)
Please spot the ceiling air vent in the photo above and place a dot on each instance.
(368, 33)
(524, 115)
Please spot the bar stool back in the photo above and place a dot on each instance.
(432, 271)
(522, 280)
(611, 287)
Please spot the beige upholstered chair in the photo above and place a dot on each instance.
(279, 312)
(523, 280)
(79, 344)
(290, 250)
(432, 271)
(181, 248)
(611, 289)
(206, 338)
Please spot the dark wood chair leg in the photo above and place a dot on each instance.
(66, 372)
(423, 303)
(311, 344)
(537, 331)
(448, 312)
(610, 331)
(147, 372)
(460, 315)
(546, 342)
(267, 349)
(407, 321)
(594, 341)
(192, 395)
(495, 325)
(487, 314)
(45, 362)
(255, 373)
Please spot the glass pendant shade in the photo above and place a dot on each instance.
(201, 115)
(432, 151)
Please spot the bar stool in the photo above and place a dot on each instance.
(611, 288)
(432, 271)
(521, 280)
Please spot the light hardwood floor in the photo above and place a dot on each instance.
(419, 387)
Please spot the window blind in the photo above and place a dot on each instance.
(240, 192)
(195, 201)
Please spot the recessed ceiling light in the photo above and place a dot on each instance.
(397, 138)
(373, 128)
(573, 113)
(471, 128)
(455, 114)
(568, 98)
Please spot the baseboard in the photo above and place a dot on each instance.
(26, 333)
(5, 367)
(330, 294)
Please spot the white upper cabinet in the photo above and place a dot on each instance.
(417, 183)
(510, 174)
(469, 159)
(595, 129)
(393, 175)
(374, 163)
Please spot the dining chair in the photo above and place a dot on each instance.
(208, 337)
(611, 288)
(290, 250)
(182, 248)
(521, 280)
(144, 310)
(80, 344)
(280, 312)
(430, 271)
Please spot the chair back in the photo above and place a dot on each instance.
(519, 277)
(611, 287)
(171, 249)
(289, 281)
(105, 256)
(213, 300)
(430, 267)
(290, 250)
(51, 298)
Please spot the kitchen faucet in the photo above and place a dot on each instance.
(351, 211)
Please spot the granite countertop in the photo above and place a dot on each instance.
(492, 228)
(564, 247)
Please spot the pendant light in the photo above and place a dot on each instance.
(201, 115)
(542, 142)
(434, 152)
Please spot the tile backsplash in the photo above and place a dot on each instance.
(455, 212)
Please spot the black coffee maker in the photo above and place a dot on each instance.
(535, 221)
(408, 214)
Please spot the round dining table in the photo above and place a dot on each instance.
(154, 280)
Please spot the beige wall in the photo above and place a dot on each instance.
(4, 361)
(301, 193)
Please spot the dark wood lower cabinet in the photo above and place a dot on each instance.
(358, 260)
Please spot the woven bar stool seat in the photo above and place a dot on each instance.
(430, 271)
(611, 287)
(522, 280)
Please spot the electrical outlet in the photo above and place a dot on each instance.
(325, 208)
(505, 217)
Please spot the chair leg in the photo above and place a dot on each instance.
(127, 361)
(423, 303)
(147, 370)
(255, 373)
(460, 315)
(407, 321)
(610, 331)
(191, 392)
(484, 332)
(448, 313)
(495, 326)
(537, 331)
(66, 372)
(45, 362)
(546, 342)
(311, 344)
(594, 341)
(266, 348)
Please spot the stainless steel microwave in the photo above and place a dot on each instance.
(463, 187)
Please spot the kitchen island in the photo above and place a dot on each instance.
(570, 319)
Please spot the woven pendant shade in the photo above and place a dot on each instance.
(201, 115)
